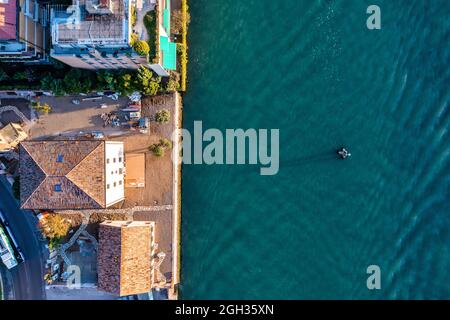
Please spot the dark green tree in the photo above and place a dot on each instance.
(141, 47)
(3, 75)
(77, 81)
(20, 75)
(57, 87)
(146, 82)
(106, 79)
(125, 84)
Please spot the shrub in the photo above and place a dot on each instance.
(183, 61)
(141, 47)
(134, 38)
(133, 16)
(183, 49)
(44, 108)
(173, 84)
(165, 143)
(54, 243)
(157, 150)
(162, 116)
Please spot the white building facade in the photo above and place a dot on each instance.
(114, 172)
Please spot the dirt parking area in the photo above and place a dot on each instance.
(69, 119)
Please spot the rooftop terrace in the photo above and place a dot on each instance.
(89, 22)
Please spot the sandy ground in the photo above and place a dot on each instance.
(158, 170)
(69, 119)
(158, 174)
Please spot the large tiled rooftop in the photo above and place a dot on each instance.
(62, 174)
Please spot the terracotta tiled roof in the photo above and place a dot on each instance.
(75, 168)
(124, 257)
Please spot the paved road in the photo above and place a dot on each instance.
(27, 278)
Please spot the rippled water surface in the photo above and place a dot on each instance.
(312, 69)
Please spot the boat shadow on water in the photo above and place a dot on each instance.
(324, 157)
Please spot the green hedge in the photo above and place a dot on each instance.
(183, 48)
(151, 24)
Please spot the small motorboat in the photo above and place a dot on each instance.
(344, 154)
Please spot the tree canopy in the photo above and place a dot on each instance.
(54, 226)
(141, 47)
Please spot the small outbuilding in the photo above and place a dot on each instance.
(125, 257)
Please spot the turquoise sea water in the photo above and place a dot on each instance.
(312, 69)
